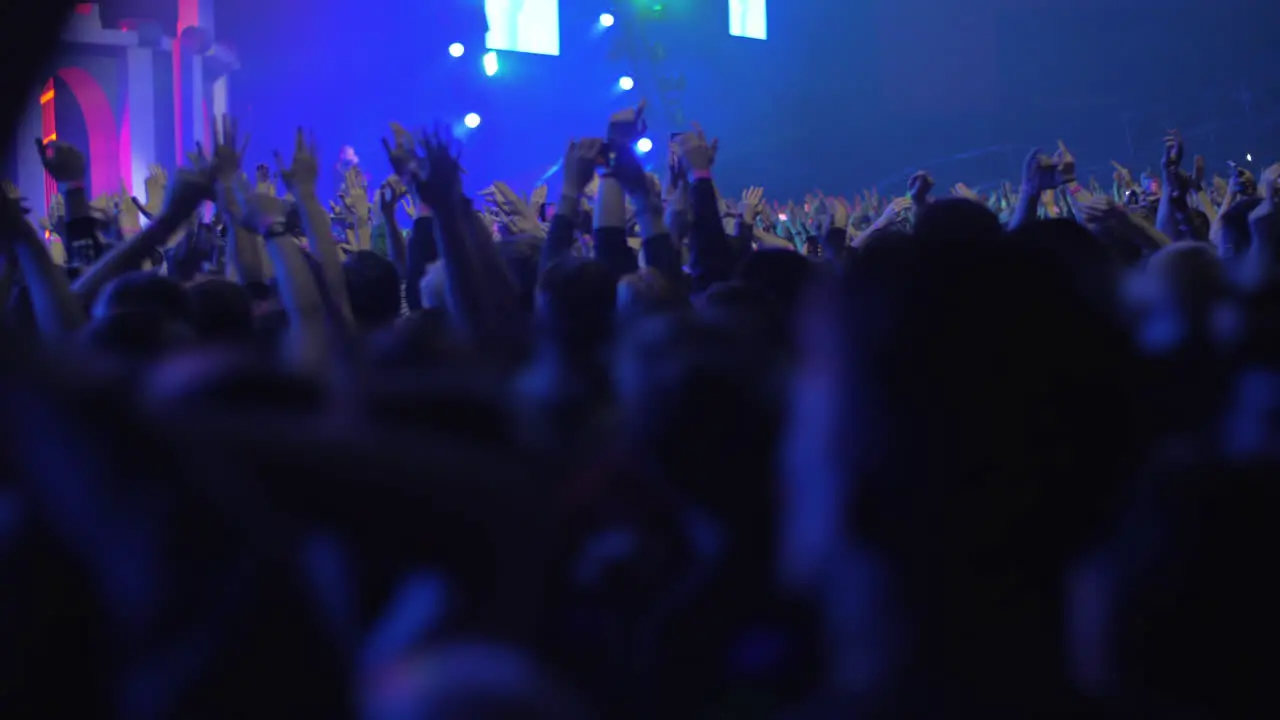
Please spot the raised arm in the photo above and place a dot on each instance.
(57, 312)
(579, 169)
(187, 192)
(1172, 211)
(710, 254)
(1040, 174)
(301, 178)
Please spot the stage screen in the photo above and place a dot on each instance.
(527, 26)
(749, 19)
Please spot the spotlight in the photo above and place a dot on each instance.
(491, 63)
(1248, 157)
(626, 83)
(456, 50)
(606, 20)
(644, 145)
(472, 121)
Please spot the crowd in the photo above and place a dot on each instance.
(640, 449)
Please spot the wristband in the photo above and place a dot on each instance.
(1074, 189)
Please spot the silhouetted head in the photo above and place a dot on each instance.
(222, 311)
(575, 302)
(959, 428)
(645, 293)
(144, 292)
(1176, 589)
(136, 336)
(1173, 300)
(1079, 253)
(373, 286)
(953, 220)
(520, 256)
(780, 274)
(700, 400)
(1232, 235)
(468, 681)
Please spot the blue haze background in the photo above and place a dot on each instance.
(843, 95)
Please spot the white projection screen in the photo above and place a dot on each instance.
(527, 26)
(749, 19)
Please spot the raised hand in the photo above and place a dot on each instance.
(919, 186)
(837, 211)
(1097, 209)
(1197, 173)
(403, 155)
(895, 212)
(696, 153)
(190, 187)
(580, 160)
(13, 218)
(442, 185)
(1040, 173)
(1270, 184)
(228, 149)
(961, 190)
(106, 208)
(1065, 165)
(1122, 176)
(16, 203)
(157, 186)
(1173, 150)
(1242, 183)
(130, 215)
(198, 159)
(752, 204)
(355, 194)
(391, 194)
(627, 126)
(538, 198)
(302, 175)
(260, 212)
(63, 162)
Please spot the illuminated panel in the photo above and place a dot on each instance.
(49, 133)
(749, 19)
(527, 26)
